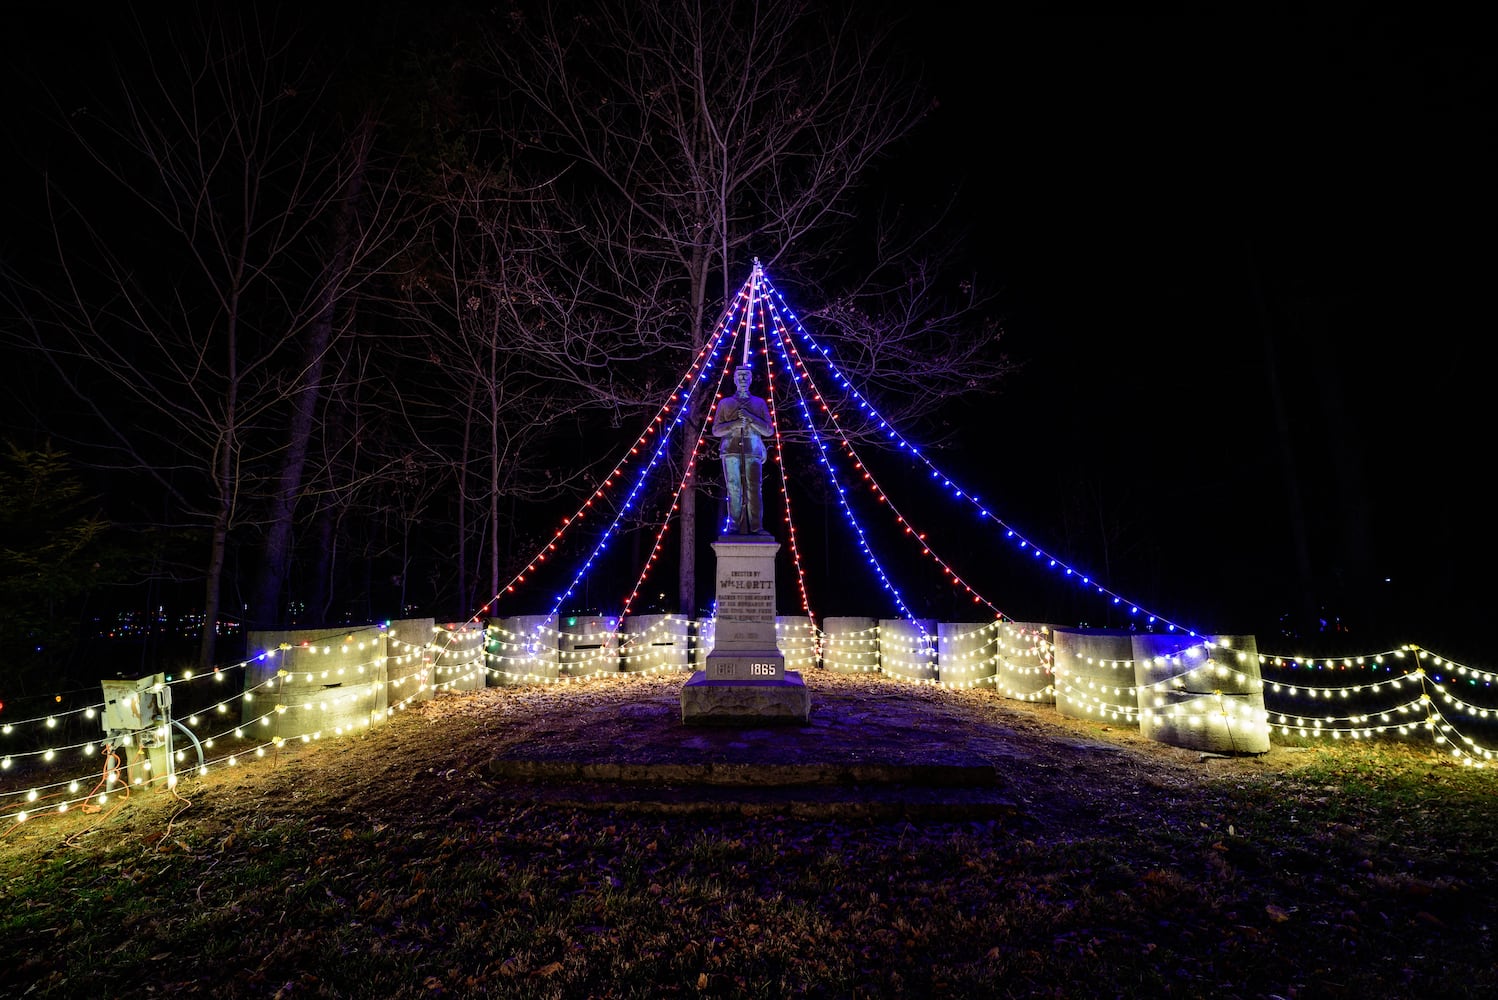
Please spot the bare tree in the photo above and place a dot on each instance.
(196, 304)
(348, 241)
(683, 140)
(636, 159)
(481, 373)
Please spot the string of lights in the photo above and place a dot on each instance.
(840, 491)
(785, 494)
(640, 481)
(1431, 710)
(903, 444)
(786, 341)
(1432, 695)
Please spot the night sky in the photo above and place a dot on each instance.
(1192, 219)
(1246, 266)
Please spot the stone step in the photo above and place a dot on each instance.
(879, 801)
(975, 775)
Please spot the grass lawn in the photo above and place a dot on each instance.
(394, 864)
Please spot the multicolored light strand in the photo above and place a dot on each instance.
(984, 514)
(788, 350)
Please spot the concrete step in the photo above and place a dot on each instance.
(806, 791)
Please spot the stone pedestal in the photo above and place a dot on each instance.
(744, 677)
(706, 702)
(746, 592)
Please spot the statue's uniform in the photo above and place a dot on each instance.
(743, 456)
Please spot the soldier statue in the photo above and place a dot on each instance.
(741, 424)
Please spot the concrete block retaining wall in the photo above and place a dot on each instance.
(521, 650)
(908, 648)
(799, 641)
(655, 642)
(458, 657)
(705, 631)
(1202, 693)
(588, 645)
(966, 652)
(1196, 692)
(1025, 662)
(315, 682)
(410, 667)
(1094, 671)
(850, 645)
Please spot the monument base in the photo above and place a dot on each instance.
(740, 665)
(736, 703)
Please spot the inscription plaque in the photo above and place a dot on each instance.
(770, 667)
(747, 594)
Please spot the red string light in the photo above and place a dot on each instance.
(788, 343)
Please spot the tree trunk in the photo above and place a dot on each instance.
(465, 578)
(320, 594)
(698, 265)
(219, 541)
(686, 593)
(494, 460)
(208, 642)
(1305, 586)
(277, 553)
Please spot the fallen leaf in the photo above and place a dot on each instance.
(1276, 914)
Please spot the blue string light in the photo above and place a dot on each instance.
(920, 538)
(716, 344)
(785, 495)
(760, 292)
(983, 512)
(842, 499)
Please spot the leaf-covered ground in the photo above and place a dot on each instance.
(398, 864)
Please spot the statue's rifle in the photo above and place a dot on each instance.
(743, 466)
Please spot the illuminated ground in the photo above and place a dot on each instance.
(1049, 857)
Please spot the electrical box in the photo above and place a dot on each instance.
(130, 706)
